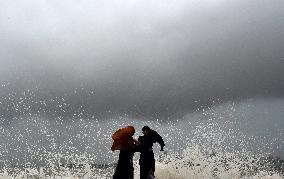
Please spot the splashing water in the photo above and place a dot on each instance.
(213, 143)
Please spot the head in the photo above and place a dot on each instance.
(131, 130)
(146, 130)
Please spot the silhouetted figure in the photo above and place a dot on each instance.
(124, 168)
(124, 142)
(147, 159)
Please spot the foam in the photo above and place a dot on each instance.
(212, 143)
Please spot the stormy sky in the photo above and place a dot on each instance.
(156, 58)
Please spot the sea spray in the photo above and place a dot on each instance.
(211, 143)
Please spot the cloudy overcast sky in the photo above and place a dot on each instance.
(156, 57)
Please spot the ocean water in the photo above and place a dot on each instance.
(232, 140)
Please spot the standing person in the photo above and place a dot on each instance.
(147, 159)
(124, 142)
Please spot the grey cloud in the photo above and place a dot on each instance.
(142, 58)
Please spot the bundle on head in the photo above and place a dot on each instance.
(122, 139)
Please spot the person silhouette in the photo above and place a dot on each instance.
(147, 159)
(124, 142)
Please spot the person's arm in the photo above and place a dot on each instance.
(136, 142)
(137, 146)
(160, 140)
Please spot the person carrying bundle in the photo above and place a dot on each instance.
(124, 142)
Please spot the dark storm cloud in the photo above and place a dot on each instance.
(154, 58)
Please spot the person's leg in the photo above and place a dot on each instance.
(131, 176)
(122, 171)
(143, 171)
(116, 174)
(152, 165)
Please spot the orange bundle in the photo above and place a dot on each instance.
(122, 139)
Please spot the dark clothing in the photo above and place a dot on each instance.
(151, 138)
(147, 159)
(147, 164)
(124, 168)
